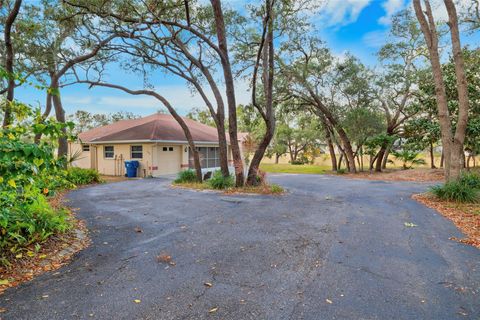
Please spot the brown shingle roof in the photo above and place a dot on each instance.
(156, 127)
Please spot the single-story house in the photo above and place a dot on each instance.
(156, 141)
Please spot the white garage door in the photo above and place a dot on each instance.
(169, 159)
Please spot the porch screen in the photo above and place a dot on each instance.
(209, 157)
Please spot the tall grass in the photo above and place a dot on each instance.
(465, 189)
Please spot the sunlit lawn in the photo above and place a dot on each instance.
(288, 168)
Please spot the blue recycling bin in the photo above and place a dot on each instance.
(131, 166)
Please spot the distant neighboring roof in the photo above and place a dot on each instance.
(156, 127)
(242, 136)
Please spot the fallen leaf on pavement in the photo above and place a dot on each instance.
(208, 284)
(329, 301)
(410, 224)
(2, 310)
(137, 229)
(137, 301)
(165, 258)
(214, 309)
(4, 282)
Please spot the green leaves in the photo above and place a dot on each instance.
(29, 172)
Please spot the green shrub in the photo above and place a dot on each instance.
(341, 171)
(471, 179)
(298, 162)
(29, 172)
(465, 189)
(218, 181)
(186, 176)
(275, 188)
(29, 222)
(456, 191)
(408, 157)
(79, 176)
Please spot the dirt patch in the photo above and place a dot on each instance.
(111, 179)
(55, 252)
(417, 175)
(466, 216)
(264, 189)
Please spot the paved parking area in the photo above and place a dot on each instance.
(331, 248)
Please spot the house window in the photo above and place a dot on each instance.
(167, 149)
(136, 152)
(85, 147)
(108, 152)
(170, 148)
(209, 157)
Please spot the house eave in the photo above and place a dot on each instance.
(150, 141)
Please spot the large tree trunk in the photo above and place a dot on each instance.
(60, 116)
(268, 74)
(218, 115)
(432, 157)
(223, 149)
(350, 159)
(452, 145)
(331, 149)
(458, 154)
(385, 157)
(380, 155)
(230, 92)
(340, 159)
(9, 56)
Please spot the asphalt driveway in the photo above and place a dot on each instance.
(331, 248)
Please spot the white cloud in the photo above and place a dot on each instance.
(391, 7)
(342, 12)
(439, 11)
(374, 39)
(179, 96)
(77, 100)
(144, 102)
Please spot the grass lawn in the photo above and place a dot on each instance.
(288, 168)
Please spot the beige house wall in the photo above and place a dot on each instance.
(116, 166)
(83, 159)
(156, 160)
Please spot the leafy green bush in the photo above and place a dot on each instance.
(29, 172)
(341, 171)
(28, 222)
(79, 176)
(186, 176)
(218, 181)
(457, 191)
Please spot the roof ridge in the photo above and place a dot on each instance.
(154, 130)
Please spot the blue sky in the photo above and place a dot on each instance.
(357, 26)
